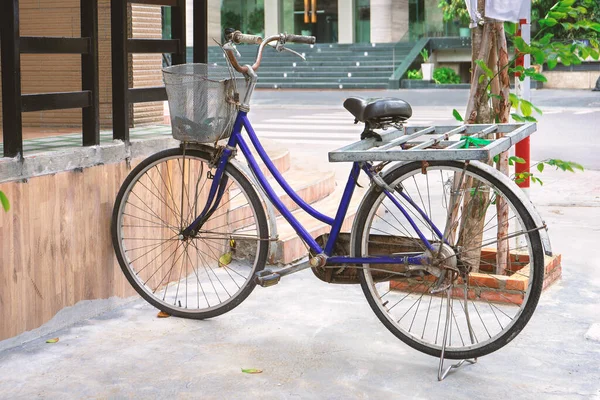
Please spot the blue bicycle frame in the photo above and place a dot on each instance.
(220, 181)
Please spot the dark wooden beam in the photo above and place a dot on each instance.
(178, 31)
(144, 95)
(54, 45)
(152, 46)
(12, 125)
(171, 3)
(56, 101)
(120, 76)
(89, 73)
(201, 31)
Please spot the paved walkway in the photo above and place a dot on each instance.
(319, 341)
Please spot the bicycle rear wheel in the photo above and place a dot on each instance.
(494, 295)
(201, 276)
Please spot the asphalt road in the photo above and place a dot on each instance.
(567, 129)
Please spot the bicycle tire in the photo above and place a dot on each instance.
(220, 261)
(408, 287)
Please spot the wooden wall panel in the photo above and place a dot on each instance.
(55, 242)
(55, 245)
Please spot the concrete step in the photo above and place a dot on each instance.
(310, 85)
(290, 247)
(309, 183)
(326, 75)
(280, 156)
(327, 66)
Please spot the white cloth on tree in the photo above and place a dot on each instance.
(507, 10)
(476, 17)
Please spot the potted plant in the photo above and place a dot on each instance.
(456, 10)
(426, 66)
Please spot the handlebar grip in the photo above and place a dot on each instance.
(300, 39)
(239, 37)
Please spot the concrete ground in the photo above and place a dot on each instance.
(318, 341)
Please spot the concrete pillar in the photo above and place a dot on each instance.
(214, 21)
(346, 21)
(389, 20)
(189, 23)
(272, 18)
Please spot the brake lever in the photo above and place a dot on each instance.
(231, 46)
(280, 47)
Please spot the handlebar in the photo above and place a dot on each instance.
(238, 37)
(300, 39)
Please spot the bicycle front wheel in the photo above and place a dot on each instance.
(201, 276)
(498, 263)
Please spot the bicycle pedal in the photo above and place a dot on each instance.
(266, 278)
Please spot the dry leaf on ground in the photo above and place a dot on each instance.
(251, 371)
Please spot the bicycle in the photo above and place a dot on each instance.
(191, 234)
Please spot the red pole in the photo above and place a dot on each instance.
(522, 149)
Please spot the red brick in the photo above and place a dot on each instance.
(484, 281)
(459, 293)
(498, 296)
(516, 284)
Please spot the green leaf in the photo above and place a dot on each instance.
(595, 26)
(536, 76)
(576, 165)
(518, 160)
(540, 167)
(546, 39)
(525, 107)
(4, 201)
(517, 117)
(539, 56)
(457, 115)
(566, 3)
(549, 22)
(521, 45)
(568, 26)
(557, 15)
(55, 340)
(514, 100)
(552, 63)
(594, 54)
(529, 104)
(510, 28)
(225, 260)
(252, 371)
(488, 72)
(529, 118)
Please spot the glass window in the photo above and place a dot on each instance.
(362, 26)
(248, 16)
(298, 18)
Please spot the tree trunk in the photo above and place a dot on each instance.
(501, 106)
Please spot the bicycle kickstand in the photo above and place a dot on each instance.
(442, 373)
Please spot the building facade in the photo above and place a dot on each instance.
(331, 21)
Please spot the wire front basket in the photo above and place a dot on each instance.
(203, 101)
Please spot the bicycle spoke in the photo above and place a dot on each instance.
(458, 200)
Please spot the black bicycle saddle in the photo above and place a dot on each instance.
(373, 109)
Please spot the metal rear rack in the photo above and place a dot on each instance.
(429, 143)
